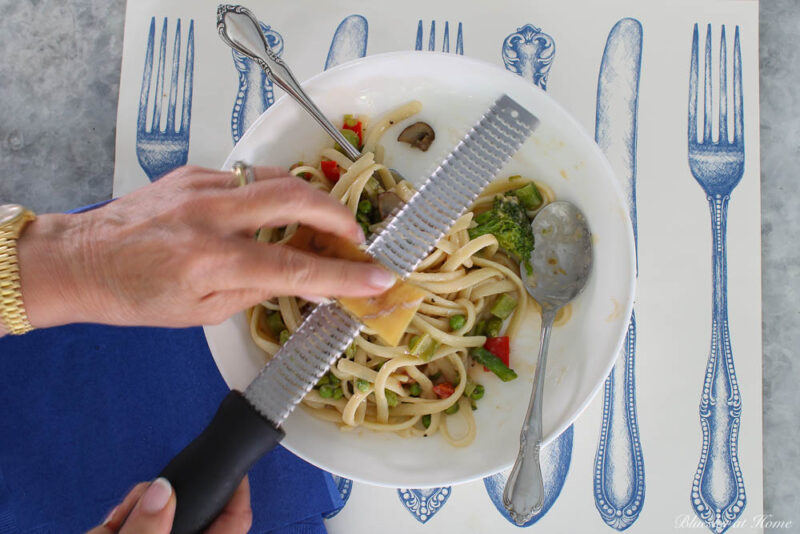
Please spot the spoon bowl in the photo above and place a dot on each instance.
(561, 264)
(562, 257)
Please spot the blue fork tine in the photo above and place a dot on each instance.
(188, 79)
(723, 90)
(707, 92)
(693, 74)
(173, 84)
(144, 95)
(162, 52)
(445, 38)
(738, 116)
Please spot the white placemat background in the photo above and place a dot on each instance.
(673, 307)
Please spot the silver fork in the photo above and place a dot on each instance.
(161, 147)
(445, 38)
(718, 494)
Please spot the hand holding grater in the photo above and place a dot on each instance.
(247, 425)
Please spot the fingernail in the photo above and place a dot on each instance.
(360, 237)
(380, 278)
(315, 299)
(110, 515)
(157, 496)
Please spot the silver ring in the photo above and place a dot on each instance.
(244, 173)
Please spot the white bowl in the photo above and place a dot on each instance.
(455, 92)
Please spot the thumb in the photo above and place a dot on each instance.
(154, 512)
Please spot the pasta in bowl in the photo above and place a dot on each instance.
(425, 412)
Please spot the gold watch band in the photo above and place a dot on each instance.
(13, 219)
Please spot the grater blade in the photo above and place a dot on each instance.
(401, 246)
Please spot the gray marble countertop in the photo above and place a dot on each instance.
(70, 78)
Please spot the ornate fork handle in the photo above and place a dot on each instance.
(524, 491)
(718, 494)
(240, 29)
(255, 92)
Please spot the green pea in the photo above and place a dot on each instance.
(457, 321)
(334, 379)
(324, 379)
(426, 420)
(452, 409)
(365, 206)
(415, 390)
(284, 337)
(326, 391)
(362, 385)
(477, 393)
(338, 393)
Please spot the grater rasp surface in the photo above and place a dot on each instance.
(401, 246)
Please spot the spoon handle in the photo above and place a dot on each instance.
(239, 29)
(524, 492)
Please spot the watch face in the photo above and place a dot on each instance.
(9, 212)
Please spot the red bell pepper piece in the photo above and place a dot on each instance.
(444, 390)
(499, 346)
(330, 169)
(355, 127)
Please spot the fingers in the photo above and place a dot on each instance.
(154, 512)
(237, 516)
(280, 270)
(115, 518)
(150, 509)
(282, 201)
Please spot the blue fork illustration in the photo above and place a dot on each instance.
(423, 504)
(418, 45)
(163, 147)
(529, 52)
(718, 494)
(255, 92)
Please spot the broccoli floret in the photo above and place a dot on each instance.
(509, 223)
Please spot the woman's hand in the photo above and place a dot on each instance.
(150, 507)
(180, 252)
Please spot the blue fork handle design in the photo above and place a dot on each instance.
(256, 92)
(718, 495)
(619, 485)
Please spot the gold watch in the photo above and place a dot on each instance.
(13, 219)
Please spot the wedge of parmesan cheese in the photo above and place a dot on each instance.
(387, 314)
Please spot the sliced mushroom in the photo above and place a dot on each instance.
(419, 134)
(387, 203)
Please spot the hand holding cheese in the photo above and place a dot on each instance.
(387, 314)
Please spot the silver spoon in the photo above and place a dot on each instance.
(240, 30)
(561, 261)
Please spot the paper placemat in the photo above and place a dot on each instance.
(674, 440)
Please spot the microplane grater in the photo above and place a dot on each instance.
(404, 242)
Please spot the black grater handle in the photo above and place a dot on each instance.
(207, 472)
